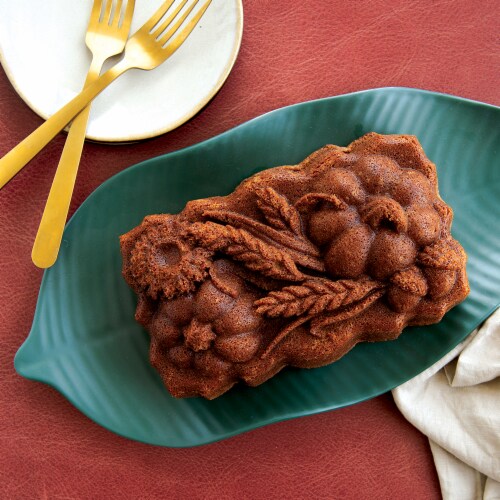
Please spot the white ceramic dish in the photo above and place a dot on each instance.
(42, 50)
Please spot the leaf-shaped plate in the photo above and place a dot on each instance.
(86, 344)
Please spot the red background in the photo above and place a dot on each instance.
(291, 51)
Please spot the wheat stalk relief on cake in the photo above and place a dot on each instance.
(296, 266)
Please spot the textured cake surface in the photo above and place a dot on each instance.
(296, 266)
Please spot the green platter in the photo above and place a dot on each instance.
(85, 342)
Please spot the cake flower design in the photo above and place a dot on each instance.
(296, 266)
(163, 263)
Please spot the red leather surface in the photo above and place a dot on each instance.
(291, 51)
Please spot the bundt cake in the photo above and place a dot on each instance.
(296, 266)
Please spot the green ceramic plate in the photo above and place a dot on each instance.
(86, 344)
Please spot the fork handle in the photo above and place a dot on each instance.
(27, 149)
(50, 232)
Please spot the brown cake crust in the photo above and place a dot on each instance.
(296, 266)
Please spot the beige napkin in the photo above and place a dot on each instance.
(456, 403)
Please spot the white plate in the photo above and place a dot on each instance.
(42, 50)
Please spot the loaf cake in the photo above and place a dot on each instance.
(296, 266)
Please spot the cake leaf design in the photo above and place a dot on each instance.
(444, 254)
(315, 297)
(285, 238)
(410, 280)
(319, 325)
(223, 285)
(446, 214)
(278, 212)
(298, 247)
(251, 251)
(309, 200)
(381, 210)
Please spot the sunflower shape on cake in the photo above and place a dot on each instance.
(296, 266)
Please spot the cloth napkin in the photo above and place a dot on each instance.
(456, 404)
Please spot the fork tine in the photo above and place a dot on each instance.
(163, 38)
(168, 20)
(127, 15)
(107, 11)
(117, 14)
(95, 13)
(172, 46)
(156, 17)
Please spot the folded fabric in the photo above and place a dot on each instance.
(456, 403)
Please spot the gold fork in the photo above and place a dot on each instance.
(107, 33)
(151, 45)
